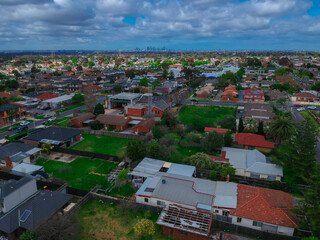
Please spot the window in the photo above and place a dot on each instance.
(257, 224)
(239, 219)
(216, 211)
(225, 213)
(146, 200)
(161, 203)
(183, 233)
(271, 178)
(254, 175)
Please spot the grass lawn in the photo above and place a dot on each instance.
(126, 190)
(106, 221)
(64, 123)
(173, 136)
(102, 144)
(20, 134)
(209, 113)
(189, 151)
(39, 116)
(77, 172)
(70, 107)
(58, 121)
(6, 128)
(313, 123)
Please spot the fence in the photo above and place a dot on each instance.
(87, 154)
(114, 134)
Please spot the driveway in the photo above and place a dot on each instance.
(241, 96)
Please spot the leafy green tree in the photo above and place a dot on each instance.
(156, 132)
(95, 125)
(30, 89)
(228, 139)
(144, 82)
(91, 64)
(239, 87)
(144, 228)
(98, 109)
(201, 160)
(213, 141)
(47, 148)
(136, 150)
(260, 128)
(78, 97)
(123, 174)
(250, 126)
(280, 71)
(154, 149)
(165, 74)
(227, 169)
(28, 235)
(169, 119)
(12, 84)
(281, 128)
(171, 75)
(117, 88)
(229, 122)
(2, 87)
(241, 126)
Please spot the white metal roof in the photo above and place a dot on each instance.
(59, 99)
(181, 169)
(27, 168)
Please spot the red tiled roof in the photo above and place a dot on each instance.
(253, 91)
(219, 130)
(250, 139)
(221, 158)
(305, 95)
(10, 94)
(112, 119)
(264, 205)
(148, 124)
(47, 96)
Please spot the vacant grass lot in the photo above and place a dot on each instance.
(106, 221)
(102, 144)
(77, 172)
(210, 114)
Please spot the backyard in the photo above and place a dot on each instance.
(100, 221)
(82, 173)
(209, 114)
(102, 144)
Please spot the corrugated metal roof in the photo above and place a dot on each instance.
(181, 169)
(27, 168)
(149, 166)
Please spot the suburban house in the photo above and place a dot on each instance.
(162, 90)
(205, 92)
(254, 141)
(259, 112)
(144, 126)
(10, 111)
(27, 168)
(250, 163)
(58, 101)
(274, 94)
(24, 207)
(58, 136)
(122, 99)
(219, 130)
(83, 119)
(14, 153)
(46, 96)
(230, 94)
(114, 122)
(251, 207)
(305, 97)
(253, 94)
(140, 109)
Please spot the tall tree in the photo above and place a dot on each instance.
(213, 141)
(241, 126)
(136, 150)
(99, 109)
(260, 128)
(250, 126)
(281, 128)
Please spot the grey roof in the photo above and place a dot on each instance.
(8, 106)
(126, 96)
(161, 104)
(12, 185)
(27, 168)
(42, 206)
(18, 157)
(147, 167)
(54, 133)
(181, 169)
(13, 148)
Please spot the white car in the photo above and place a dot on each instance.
(52, 119)
(312, 107)
(301, 109)
(24, 123)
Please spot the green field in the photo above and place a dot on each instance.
(102, 144)
(70, 107)
(77, 172)
(106, 221)
(60, 120)
(209, 114)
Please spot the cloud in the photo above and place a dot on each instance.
(18, 2)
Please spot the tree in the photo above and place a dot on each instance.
(280, 71)
(171, 75)
(47, 148)
(241, 126)
(154, 149)
(239, 87)
(99, 109)
(165, 74)
(28, 235)
(2, 87)
(77, 98)
(201, 160)
(123, 174)
(12, 84)
(250, 126)
(228, 139)
(30, 89)
(90, 98)
(95, 125)
(169, 119)
(229, 122)
(213, 141)
(144, 228)
(144, 82)
(16, 74)
(281, 128)
(260, 128)
(311, 202)
(91, 64)
(136, 150)
(117, 88)
(156, 132)
(227, 169)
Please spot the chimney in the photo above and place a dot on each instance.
(8, 162)
(228, 178)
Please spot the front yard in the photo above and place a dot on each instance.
(210, 114)
(82, 173)
(102, 144)
(99, 220)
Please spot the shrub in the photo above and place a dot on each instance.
(144, 228)
(194, 137)
(95, 125)
(156, 132)
(123, 174)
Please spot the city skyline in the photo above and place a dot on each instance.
(177, 25)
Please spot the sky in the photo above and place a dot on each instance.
(174, 24)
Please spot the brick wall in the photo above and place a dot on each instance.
(179, 234)
(31, 142)
(114, 134)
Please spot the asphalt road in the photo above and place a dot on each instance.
(100, 99)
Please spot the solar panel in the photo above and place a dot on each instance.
(25, 215)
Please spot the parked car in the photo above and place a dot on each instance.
(52, 119)
(22, 128)
(24, 123)
(301, 109)
(312, 107)
(297, 105)
(11, 128)
(121, 111)
(47, 116)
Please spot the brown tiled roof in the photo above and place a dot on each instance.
(148, 124)
(112, 119)
(85, 116)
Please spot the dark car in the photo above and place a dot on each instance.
(297, 105)
(22, 128)
(12, 128)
